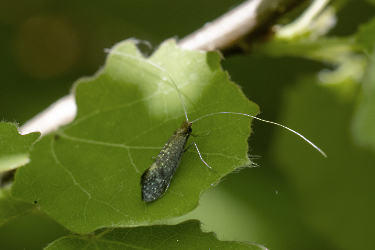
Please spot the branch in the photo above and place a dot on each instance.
(232, 32)
(237, 29)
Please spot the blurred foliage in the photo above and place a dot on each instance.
(296, 199)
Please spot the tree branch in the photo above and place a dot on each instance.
(237, 29)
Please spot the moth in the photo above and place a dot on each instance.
(156, 179)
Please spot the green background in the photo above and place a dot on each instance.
(296, 199)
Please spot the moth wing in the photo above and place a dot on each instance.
(153, 183)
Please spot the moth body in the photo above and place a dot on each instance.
(155, 180)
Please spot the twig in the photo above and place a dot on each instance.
(59, 113)
(235, 30)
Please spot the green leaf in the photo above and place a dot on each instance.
(328, 50)
(88, 176)
(14, 148)
(341, 53)
(186, 235)
(32, 230)
(11, 208)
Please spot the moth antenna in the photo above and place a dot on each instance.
(291, 130)
(109, 51)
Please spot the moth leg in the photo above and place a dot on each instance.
(209, 131)
(187, 148)
(199, 153)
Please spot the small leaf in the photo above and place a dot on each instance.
(88, 177)
(186, 235)
(14, 147)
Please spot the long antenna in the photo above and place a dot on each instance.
(291, 130)
(109, 51)
(183, 105)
